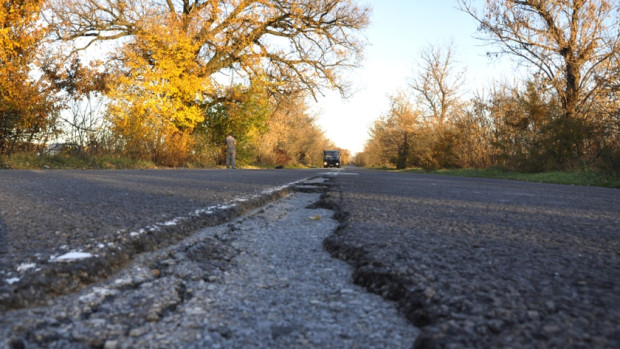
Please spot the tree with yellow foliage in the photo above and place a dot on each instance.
(394, 136)
(27, 106)
(153, 99)
(300, 45)
(175, 55)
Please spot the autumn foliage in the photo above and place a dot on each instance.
(165, 81)
(153, 94)
(180, 75)
(564, 116)
(27, 105)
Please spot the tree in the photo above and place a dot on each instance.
(27, 105)
(523, 124)
(572, 43)
(438, 84)
(473, 138)
(81, 88)
(393, 136)
(292, 136)
(402, 119)
(298, 45)
(604, 147)
(378, 151)
(171, 69)
(154, 100)
(243, 110)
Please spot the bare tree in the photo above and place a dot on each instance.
(301, 45)
(438, 83)
(571, 42)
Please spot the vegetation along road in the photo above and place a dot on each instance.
(120, 258)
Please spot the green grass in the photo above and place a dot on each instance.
(585, 178)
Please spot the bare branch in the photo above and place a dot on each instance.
(568, 40)
(322, 34)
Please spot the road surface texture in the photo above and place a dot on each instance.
(479, 263)
(260, 281)
(113, 259)
(50, 217)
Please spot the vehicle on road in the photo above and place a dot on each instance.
(331, 158)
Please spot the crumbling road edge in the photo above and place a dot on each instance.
(39, 285)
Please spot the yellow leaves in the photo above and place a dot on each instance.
(23, 97)
(155, 108)
(19, 42)
(18, 27)
(19, 13)
(296, 10)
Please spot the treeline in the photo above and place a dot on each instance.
(516, 127)
(165, 81)
(564, 116)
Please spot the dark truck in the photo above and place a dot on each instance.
(331, 158)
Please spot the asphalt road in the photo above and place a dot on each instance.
(262, 280)
(481, 263)
(472, 262)
(111, 215)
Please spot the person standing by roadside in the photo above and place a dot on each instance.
(231, 150)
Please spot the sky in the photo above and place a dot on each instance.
(398, 31)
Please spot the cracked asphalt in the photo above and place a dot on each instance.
(482, 263)
(262, 280)
(111, 216)
(468, 262)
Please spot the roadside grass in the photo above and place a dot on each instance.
(584, 178)
(29, 161)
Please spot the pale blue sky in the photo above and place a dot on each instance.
(399, 30)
